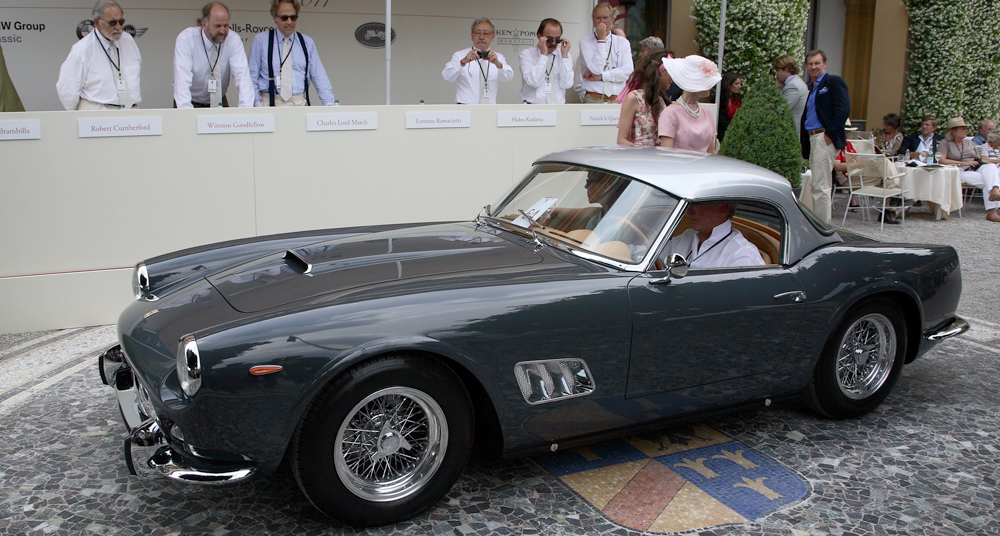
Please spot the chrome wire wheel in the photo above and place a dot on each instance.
(866, 356)
(391, 444)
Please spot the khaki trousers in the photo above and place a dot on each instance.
(818, 189)
(296, 100)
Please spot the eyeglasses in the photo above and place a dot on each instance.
(286, 17)
(115, 22)
(480, 33)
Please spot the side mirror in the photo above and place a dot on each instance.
(677, 266)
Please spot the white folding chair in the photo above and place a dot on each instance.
(882, 183)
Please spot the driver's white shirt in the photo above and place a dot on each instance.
(721, 250)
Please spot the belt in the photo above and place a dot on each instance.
(601, 96)
(817, 131)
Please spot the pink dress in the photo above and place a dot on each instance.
(691, 133)
(644, 125)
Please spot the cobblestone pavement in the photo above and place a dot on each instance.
(925, 462)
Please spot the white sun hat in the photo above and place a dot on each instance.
(693, 73)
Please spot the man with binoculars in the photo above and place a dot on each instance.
(546, 74)
(478, 69)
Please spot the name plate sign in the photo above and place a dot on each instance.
(235, 124)
(30, 129)
(112, 127)
(361, 121)
(590, 118)
(523, 118)
(438, 119)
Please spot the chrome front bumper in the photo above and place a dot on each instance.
(957, 326)
(148, 451)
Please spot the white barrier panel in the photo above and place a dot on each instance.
(77, 213)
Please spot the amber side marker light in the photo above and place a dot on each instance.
(264, 370)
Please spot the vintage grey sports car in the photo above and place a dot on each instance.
(377, 358)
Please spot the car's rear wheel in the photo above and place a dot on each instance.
(861, 362)
(384, 441)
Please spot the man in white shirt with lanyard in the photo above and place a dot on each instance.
(547, 69)
(294, 61)
(711, 242)
(102, 69)
(606, 59)
(205, 57)
(477, 70)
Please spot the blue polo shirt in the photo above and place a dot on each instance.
(812, 120)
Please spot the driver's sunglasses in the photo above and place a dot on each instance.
(286, 17)
(115, 22)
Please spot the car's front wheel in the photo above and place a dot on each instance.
(861, 362)
(384, 441)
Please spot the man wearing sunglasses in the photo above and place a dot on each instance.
(284, 81)
(206, 57)
(102, 69)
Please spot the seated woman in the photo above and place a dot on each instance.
(892, 137)
(956, 150)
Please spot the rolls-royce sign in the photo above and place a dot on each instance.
(372, 34)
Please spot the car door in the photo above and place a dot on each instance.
(713, 325)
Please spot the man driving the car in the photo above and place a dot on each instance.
(712, 242)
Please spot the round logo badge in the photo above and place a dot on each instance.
(372, 34)
(84, 28)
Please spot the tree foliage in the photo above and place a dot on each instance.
(763, 132)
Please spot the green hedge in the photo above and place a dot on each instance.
(763, 132)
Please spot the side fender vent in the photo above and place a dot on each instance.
(551, 380)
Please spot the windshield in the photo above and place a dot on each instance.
(594, 210)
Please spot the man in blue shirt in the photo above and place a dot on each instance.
(822, 134)
(293, 62)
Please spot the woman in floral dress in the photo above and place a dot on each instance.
(641, 107)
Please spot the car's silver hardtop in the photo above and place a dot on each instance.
(702, 177)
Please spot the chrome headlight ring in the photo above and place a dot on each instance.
(189, 365)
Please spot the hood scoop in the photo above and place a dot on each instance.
(363, 260)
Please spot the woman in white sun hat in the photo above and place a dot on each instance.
(684, 124)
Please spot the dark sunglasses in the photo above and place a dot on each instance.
(286, 17)
(115, 22)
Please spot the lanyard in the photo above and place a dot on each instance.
(552, 65)
(211, 68)
(108, 54)
(611, 45)
(690, 262)
(290, 47)
(485, 73)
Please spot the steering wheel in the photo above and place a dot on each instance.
(631, 226)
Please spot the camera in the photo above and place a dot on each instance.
(483, 53)
(553, 41)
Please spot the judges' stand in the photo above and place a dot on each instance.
(77, 212)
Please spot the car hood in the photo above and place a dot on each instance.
(327, 267)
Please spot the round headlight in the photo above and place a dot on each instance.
(189, 365)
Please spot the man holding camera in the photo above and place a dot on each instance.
(546, 74)
(477, 69)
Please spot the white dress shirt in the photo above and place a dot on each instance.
(317, 74)
(192, 72)
(88, 71)
(724, 248)
(467, 88)
(538, 71)
(614, 64)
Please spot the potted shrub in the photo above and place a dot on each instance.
(763, 132)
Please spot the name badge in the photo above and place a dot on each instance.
(213, 86)
(485, 100)
(121, 85)
(277, 82)
(548, 86)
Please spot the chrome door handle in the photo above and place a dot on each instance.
(797, 296)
